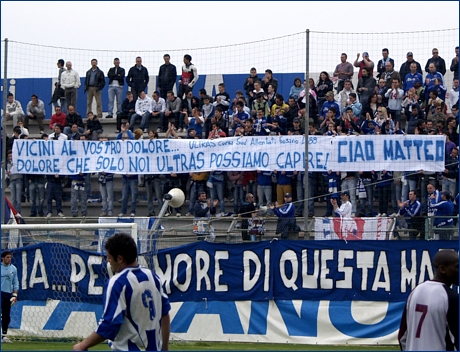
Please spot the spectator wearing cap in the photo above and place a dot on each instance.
(405, 67)
(345, 209)
(286, 216)
(274, 126)
(454, 64)
(365, 62)
(382, 63)
(443, 222)
(296, 130)
(330, 102)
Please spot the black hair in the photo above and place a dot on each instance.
(124, 245)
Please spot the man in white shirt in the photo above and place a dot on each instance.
(158, 108)
(57, 135)
(70, 81)
(14, 109)
(143, 110)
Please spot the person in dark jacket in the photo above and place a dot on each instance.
(166, 77)
(138, 78)
(116, 76)
(94, 83)
(286, 217)
(128, 108)
(203, 207)
(71, 118)
(438, 62)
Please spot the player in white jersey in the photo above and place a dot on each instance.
(136, 310)
(430, 317)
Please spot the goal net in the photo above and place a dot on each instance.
(61, 278)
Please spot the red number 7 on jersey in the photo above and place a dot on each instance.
(423, 309)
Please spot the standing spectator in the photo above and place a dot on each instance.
(323, 86)
(349, 181)
(450, 174)
(36, 193)
(411, 209)
(14, 110)
(454, 64)
(368, 179)
(16, 181)
(365, 62)
(366, 86)
(237, 177)
(443, 222)
(284, 184)
(94, 83)
(343, 99)
(429, 80)
(10, 287)
(153, 185)
(54, 190)
(430, 317)
(59, 92)
(71, 118)
(58, 118)
(343, 71)
(286, 217)
(105, 180)
(130, 182)
(247, 211)
(264, 187)
(405, 67)
(188, 78)
(217, 179)
(197, 187)
(128, 109)
(78, 193)
(411, 77)
(167, 76)
(453, 96)
(268, 79)
(383, 188)
(116, 77)
(136, 311)
(381, 65)
(249, 85)
(332, 180)
(138, 78)
(35, 110)
(345, 209)
(390, 74)
(438, 62)
(395, 97)
(70, 82)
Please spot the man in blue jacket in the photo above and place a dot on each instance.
(286, 217)
(443, 222)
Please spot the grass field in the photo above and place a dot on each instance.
(202, 346)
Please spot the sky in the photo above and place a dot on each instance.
(139, 25)
(223, 37)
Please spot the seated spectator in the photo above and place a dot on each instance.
(93, 127)
(143, 110)
(260, 124)
(195, 121)
(296, 88)
(128, 109)
(71, 118)
(57, 117)
(296, 130)
(57, 134)
(13, 109)
(36, 111)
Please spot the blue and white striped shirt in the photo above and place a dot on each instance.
(134, 303)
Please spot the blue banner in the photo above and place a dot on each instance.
(278, 270)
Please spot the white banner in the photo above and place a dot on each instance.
(353, 228)
(282, 153)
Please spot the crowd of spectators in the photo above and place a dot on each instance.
(395, 102)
